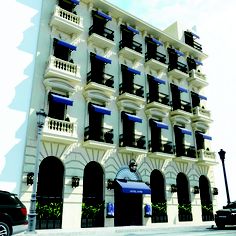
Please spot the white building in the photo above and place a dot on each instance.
(127, 125)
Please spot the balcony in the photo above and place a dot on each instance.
(185, 153)
(132, 144)
(197, 79)
(201, 114)
(101, 139)
(59, 131)
(189, 39)
(102, 38)
(66, 21)
(131, 51)
(136, 90)
(163, 149)
(159, 97)
(156, 61)
(104, 79)
(178, 71)
(181, 108)
(62, 69)
(206, 157)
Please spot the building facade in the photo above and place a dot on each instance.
(126, 138)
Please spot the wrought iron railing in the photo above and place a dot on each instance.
(182, 105)
(131, 44)
(155, 55)
(191, 42)
(99, 134)
(185, 150)
(135, 89)
(179, 66)
(104, 79)
(135, 140)
(160, 146)
(158, 97)
(105, 32)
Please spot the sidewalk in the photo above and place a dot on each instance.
(119, 231)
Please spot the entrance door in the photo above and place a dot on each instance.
(128, 208)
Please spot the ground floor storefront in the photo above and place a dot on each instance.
(90, 187)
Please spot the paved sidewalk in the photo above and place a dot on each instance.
(119, 231)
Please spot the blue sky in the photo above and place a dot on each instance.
(214, 20)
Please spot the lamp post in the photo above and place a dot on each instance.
(41, 115)
(222, 157)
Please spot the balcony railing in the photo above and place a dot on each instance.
(133, 45)
(199, 111)
(191, 42)
(135, 89)
(206, 155)
(67, 15)
(159, 97)
(185, 150)
(182, 105)
(136, 141)
(101, 134)
(104, 79)
(59, 125)
(155, 55)
(105, 32)
(179, 66)
(161, 146)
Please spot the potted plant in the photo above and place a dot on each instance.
(185, 212)
(159, 212)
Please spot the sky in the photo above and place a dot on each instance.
(215, 24)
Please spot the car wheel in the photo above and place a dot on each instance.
(4, 229)
(220, 226)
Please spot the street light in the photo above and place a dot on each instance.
(222, 157)
(41, 115)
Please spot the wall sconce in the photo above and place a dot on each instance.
(173, 188)
(148, 210)
(196, 190)
(110, 184)
(110, 210)
(215, 191)
(30, 178)
(132, 166)
(75, 181)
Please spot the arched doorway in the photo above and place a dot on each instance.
(184, 202)
(206, 200)
(158, 197)
(50, 193)
(93, 197)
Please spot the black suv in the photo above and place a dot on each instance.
(13, 213)
(226, 216)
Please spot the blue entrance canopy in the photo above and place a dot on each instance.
(159, 81)
(157, 42)
(134, 187)
(160, 124)
(133, 118)
(133, 71)
(133, 30)
(61, 99)
(105, 16)
(65, 44)
(185, 131)
(181, 89)
(104, 59)
(101, 109)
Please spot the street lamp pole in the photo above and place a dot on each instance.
(222, 157)
(41, 115)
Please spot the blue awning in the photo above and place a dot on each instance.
(181, 89)
(202, 97)
(61, 99)
(194, 35)
(65, 44)
(104, 59)
(102, 110)
(133, 29)
(179, 53)
(76, 2)
(133, 118)
(185, 131)
(198, 62)
(157, 42)
(159, 81)
(134, 187)
(160, 124)
(133, 71)
(105, 16)
(206, 136)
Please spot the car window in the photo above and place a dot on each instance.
(7, 199)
